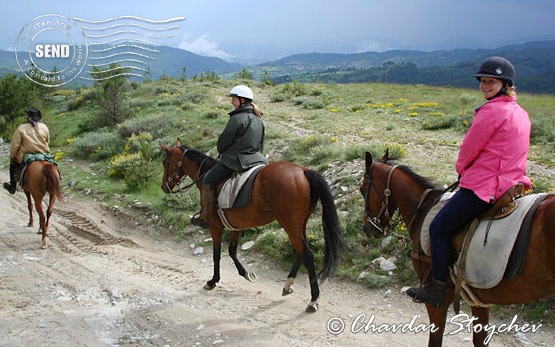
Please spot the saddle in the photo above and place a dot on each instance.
(236, 193)
(506, 204)
(236, 190)
(27, 160)
(502, 226)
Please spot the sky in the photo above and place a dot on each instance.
(254, 31)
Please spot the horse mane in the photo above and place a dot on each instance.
(199, 158)
(420, 180)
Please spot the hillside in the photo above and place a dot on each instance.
(327, 127)
(534, 62)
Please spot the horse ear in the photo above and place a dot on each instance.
(178, 143)
(386, 155)
(164, 147)
(368, 158)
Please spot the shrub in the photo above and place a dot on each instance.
(439, 122)
(97, 145)
(139, 173)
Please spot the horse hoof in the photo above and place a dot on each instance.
(287, 291)
(209, 286)
(312, 307)
(251, 276)
(39, 232)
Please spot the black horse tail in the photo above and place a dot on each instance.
(333, 235)
(53, 184)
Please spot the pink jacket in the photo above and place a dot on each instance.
(493, 154)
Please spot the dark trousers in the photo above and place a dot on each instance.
(15, 169)
(217, 174)
(459, 211)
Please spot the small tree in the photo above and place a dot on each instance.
(244, 74)
(113, 83)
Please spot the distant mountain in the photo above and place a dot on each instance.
(534, 63)
(533, 60)
(168, 61)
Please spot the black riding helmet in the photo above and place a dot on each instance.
(497, 67)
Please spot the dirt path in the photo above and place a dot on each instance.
(108, 280)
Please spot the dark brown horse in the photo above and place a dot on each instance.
(387, 188)
(282, 191)
(41, 177)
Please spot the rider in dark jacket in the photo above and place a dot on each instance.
(240, 147)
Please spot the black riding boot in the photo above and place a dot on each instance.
(203, 221)
(10, 187)
(433, 293)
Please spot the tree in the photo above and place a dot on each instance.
(16, 95)
(244, 74)
(113, 83)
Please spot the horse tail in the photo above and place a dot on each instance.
(333, 235)
(50, 171)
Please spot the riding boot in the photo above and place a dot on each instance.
(433, 293)
(207, 194)
(11, 187)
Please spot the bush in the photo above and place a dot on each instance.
(139, 173)
(97, 145)
(439, 122)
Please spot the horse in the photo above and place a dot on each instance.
(388, 188)
(40, 177)
(282, 191)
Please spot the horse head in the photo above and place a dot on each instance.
(173, 166)
(375, 188)
(181, 161)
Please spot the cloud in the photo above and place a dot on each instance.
(205, 47)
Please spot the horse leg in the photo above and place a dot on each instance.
(42, 219)
(233, 243)
(216, 255)
(481, 314)
(437, 318)
(308, 260)
(30, 207)
(51, 202)
(288, 287)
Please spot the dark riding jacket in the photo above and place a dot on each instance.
(241, 143)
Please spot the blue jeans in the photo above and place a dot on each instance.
(459, 211)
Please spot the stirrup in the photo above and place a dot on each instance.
(197, 221)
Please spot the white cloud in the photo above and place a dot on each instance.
(205, 47)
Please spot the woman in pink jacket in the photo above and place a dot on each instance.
(492, 159)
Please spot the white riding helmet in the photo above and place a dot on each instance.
(242, 92)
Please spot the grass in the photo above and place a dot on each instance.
(325, 127)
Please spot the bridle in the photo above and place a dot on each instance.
(178, 177)
(384, 210)
(375, 221)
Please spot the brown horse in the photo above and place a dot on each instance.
(282, 191)
(387, 188)
(41, 177)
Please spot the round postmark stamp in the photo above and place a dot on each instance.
(51, 50)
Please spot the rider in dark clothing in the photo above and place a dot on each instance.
(240, 147)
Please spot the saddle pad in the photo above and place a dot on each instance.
(232, 187)
(489, 252)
